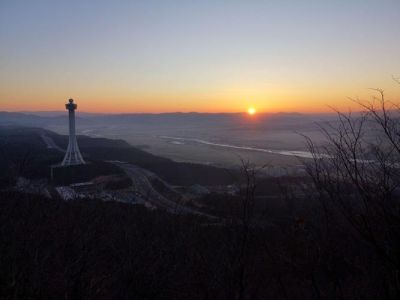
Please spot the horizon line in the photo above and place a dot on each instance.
(172, 112)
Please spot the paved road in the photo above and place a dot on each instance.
(141, 181)
(50, 143)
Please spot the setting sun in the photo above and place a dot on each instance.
(251, 111)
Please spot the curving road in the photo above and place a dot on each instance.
(140, 179)
(50, 143)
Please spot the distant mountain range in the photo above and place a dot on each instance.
(43, 119)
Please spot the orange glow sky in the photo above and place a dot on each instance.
(203, 56)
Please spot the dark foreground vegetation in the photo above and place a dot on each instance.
(86, 249)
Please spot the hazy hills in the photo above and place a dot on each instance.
(182, 119)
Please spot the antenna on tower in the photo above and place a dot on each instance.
(73, 155)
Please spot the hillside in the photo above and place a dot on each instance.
(90, 249)
(24, 153)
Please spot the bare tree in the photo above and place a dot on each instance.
(357, 174)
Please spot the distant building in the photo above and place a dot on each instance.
(73, 155)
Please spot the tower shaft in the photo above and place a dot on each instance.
(73, 155)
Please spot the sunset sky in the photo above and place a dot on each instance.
(206, 56)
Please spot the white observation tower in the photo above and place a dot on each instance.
(73, 155)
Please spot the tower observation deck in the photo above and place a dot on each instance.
(73, 155)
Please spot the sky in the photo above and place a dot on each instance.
(206, 56)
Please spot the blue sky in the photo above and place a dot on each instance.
(196, 55)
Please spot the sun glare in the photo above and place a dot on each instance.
(251, 111)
